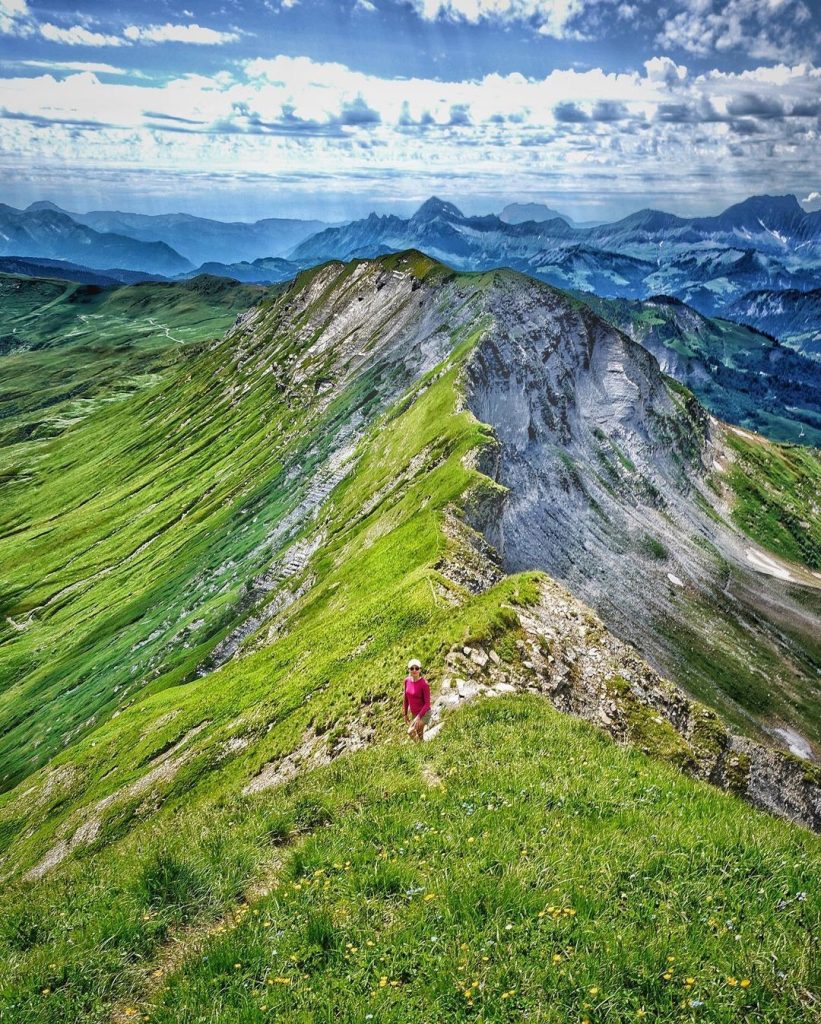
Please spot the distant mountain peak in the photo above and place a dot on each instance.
(520, 213)
(436, 207)
(44, 204)
(780, 204)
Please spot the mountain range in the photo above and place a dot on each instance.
(198, 239)
(763, 244)
(230, 515)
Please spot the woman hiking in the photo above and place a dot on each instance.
(417, 701)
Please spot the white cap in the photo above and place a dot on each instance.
(413, 663)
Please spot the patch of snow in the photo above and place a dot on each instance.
(796, 743)
(768, 565)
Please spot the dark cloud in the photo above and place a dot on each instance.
(48, 122)
(570, 113)
(750, 104)
(358, 113)
(700, 112)
(170, 117)
(806, 109)
(745, 126)
(609, 110)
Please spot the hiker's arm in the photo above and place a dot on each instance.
(426, 705)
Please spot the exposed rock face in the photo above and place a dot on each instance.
(567, 655)
(605, 466)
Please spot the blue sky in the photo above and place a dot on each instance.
(331, 108)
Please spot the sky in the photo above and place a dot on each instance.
(240, 109)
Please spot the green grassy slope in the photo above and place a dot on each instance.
(65, 349)
(143, 818)
(520, 867)
(776, 492)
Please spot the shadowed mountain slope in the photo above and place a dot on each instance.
(741, 375)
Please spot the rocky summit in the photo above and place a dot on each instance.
(218, 551)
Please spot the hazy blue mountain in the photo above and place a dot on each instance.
(262, 271)
(60, 270)
(711, 279)
(773, 224)
(792, 315)
(582, 268)
(200, 239)
(441, 230)
(52, 234)
(520, 213)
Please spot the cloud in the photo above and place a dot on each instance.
(549, 19)
(750, 104)
(15, 18)
(178, 34)
(276, 117)
(764, 29)
(662, 69)
(813, 197)
(77, 36)
(569, 113)
(74, 65)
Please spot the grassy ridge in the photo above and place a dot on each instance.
(653, 865)
(67, 349)
(127, 545)
(520, 867)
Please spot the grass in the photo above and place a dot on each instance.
(72, 348)
(776, 490)
(520, 884)
(130, 544)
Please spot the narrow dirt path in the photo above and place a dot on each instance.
(186, 942)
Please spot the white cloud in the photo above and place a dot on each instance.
(291, 119)
(14, 18)
(662, 69)
(813, 197)
(549, 19)
(765, 29)
(178, 34)
(77, 36)
(74, 65)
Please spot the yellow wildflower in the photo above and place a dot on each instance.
(745, 982)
